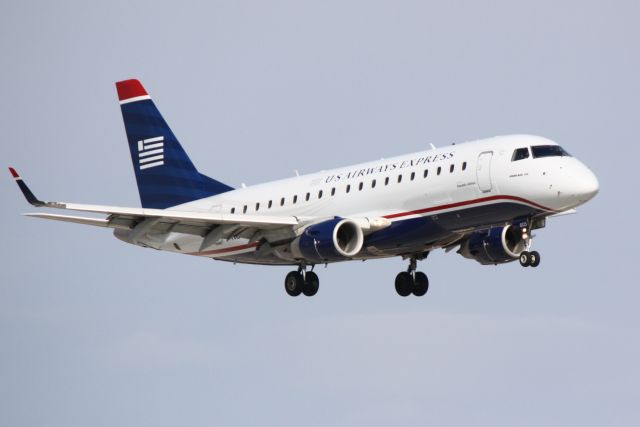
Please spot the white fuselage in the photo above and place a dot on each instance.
(478, 183)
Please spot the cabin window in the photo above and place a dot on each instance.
(386, 181)
(320, 194)
(413, 175)
(233, 210)
(373, 184)
(307, 196)
(348, 187)
(282, 202)
(257, 206)
(295, 198)
(439, 170)
(244, 209)
(464, 165)
(451, 168)
(360, 186)
(333, 191)
(519, 154)
(426, 172)
(270, 204)
(400, 178)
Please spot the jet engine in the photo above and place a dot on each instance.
(332, 240)
(496, 245)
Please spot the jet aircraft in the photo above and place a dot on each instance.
(483, 198)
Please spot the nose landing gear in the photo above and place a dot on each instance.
(412, 281)
(529, 259)
(302, 282)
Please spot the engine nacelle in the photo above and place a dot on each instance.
(332, 240)
(496, 245)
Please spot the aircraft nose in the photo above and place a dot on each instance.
(585, 184)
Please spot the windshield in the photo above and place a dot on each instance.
(548, 151)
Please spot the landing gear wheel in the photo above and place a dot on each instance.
(420, 284)
(525, 259)
(535, 258)
(311, 284)
(404, 284)
(294, 283)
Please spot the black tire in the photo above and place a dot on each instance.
(404, 284)
(311, 284)
(420, 284)
(525, 259)
(535, 258)
(293, 283)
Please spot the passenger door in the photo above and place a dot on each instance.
(483, 171)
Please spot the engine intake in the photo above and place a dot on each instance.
(332, 240)
(496, 245)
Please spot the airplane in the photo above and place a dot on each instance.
(483, 197)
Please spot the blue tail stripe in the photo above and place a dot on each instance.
(165, 175)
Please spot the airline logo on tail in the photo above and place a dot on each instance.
(151, 152)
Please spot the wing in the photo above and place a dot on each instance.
(211, 226)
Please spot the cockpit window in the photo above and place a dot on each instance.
(548, 151)
(520, 153)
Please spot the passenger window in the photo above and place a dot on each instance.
(413, 175)
(426, 172)
(244, 210)
(439, 170)
(320, 194)
(282, 202)
(348, 187)
(233, 210)
(270, 204)
(520, 153)
(386, 181)
(360, 187)
(400, 178)
(295, 198)
(333, 191)
(257, 206)
(373, 184)
(464, 165)
(451, 168)
(307, 197)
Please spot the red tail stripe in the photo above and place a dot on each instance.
(128, 89)
(14, 173)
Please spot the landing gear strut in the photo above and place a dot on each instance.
(412, 281)
(302, 282)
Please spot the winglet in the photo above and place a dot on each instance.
(25, 190)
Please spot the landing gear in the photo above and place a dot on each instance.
(412, 281)
(301, 282)
(529, 259)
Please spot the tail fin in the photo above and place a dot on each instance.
(165, 175)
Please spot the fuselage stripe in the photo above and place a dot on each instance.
(466, 203)
(225, 250)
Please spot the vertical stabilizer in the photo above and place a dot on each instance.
(166, 176)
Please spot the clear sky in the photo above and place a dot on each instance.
(96, 332)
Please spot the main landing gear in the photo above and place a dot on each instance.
(529, 259)
(412, 281)
(302, 282)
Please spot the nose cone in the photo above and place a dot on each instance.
(584, 185)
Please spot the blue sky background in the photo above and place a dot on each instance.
(96, 332)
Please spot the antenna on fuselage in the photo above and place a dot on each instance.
(295, 171)
(433, 147)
